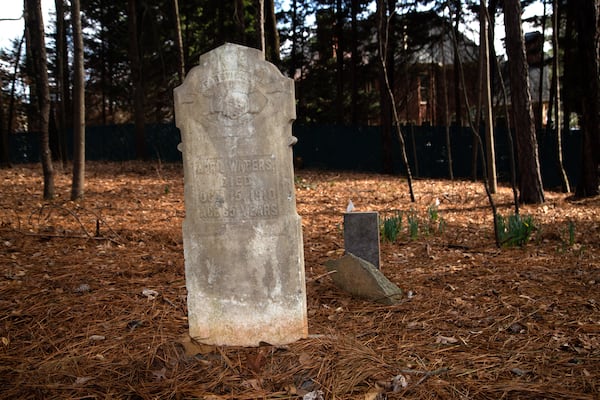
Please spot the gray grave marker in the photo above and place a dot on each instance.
(361, 236)
(244, 260)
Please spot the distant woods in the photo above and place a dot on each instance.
(137, 51)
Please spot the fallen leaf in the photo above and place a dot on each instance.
(150, 294)
(252, 384)
(373, 394)
(314, 395)
(192, 347)
(82, 380)
(398, 383)
(446, 340)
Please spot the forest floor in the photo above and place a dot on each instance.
(93, 297)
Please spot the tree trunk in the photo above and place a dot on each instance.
(540, 99)
(60, 80)
(4, 153)
(487, 100)
(588, 33)
(339, 61)
(293, 56)
(77, 187)
(13, 85)
(446, 109)
(555, 100)
(180, 57)
(137, 78)
(457, 89)
(35, 26)
(354, 61)
(271, 33)
(261, 26)
(530, 182)
(384, 98)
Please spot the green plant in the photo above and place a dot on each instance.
(432, 212)
(391, 226)
(514, 230)
(434, 218)
(413, 224)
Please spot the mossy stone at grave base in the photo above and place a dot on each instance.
(361, 279)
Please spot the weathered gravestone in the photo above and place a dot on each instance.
(242, 236)
(361, 236)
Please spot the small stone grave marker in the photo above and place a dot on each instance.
(361, 236)
(361, 279)
(242, 236)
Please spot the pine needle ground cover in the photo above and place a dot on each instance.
(93, 298)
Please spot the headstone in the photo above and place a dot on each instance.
(361, 279)
(361, 236)
(242, 236)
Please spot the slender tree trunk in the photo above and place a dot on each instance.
(530, 183)
(487, 100)
(13, 85)
(384, 98)
(339, 60)
(180, 57)
(35, 26)
(354, 61)
(555, 99)
(540, 99)
(386, 60)
(138, 81)
(60, 80)
(261, 27)
(293, 56)
(446, 107)
(4, 153)
(77, 187)
(457, 89)
(588, 33)
(271, 33)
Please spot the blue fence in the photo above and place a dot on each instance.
(334, 148)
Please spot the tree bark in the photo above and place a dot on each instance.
(60, 80)
(271, 33)
(588, 33)
(35, 25)
(555, 100)
(261, 26)
(457, 88)
(384, 98)
(354, 61)
(487, 99)
(180, 57)
(77, 187)
(294, 34)
(339, 61)
(137, 78)
(530, 182)
(4, 154)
